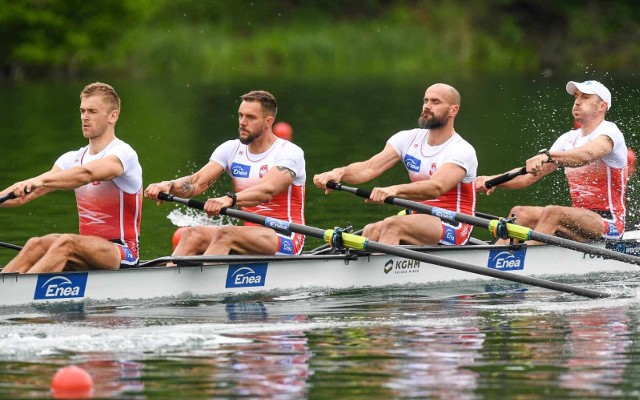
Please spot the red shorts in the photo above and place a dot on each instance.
(290, 245)
(455, 235)
(128, 253)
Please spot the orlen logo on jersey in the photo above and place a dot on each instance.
(67, 286)
(263, 170)
(246, 275)
(506, 260)
(240, 170)
(412, 163)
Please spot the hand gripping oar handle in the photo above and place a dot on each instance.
(514, 231)
(504, 178)
(362, 243)
(8, 196)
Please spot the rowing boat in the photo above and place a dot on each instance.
(224, 276)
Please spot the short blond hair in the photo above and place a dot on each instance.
(107, 92)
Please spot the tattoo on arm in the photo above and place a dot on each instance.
(184, 187)
(285, 169)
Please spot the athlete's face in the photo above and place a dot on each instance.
(436, 109)
(587, 106)
(96, 116)
(252, 121)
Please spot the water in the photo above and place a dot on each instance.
(467, 342)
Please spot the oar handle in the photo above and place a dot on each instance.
(357, 191)
(8, 196)
(193, 203)
(504, 178)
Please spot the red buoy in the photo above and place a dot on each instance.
(175, 239)
(283, 130)
(71, 382)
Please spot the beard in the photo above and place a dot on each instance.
(251, 136)
(434, 122)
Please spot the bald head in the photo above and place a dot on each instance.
(447, 92)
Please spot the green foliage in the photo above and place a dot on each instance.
(211, 40)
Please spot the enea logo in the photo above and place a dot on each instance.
(276, 224)
(246, 275)
(412, 163)
(66, 286)
(506, 260)
(240, 170)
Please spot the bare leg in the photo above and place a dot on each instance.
(80, 253)
(243, 240)
(31, 253)
(411, 229)
(372, 231)
(194, 240)
(573, 223)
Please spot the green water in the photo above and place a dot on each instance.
(175, 126)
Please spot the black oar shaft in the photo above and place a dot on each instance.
(359, 242)
(504, 178)
(419, 207)
(6, 197)
(515, 231)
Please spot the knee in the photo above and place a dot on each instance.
(191, 235)
(62, 243)
(552, 213)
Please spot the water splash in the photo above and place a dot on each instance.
(190, 217)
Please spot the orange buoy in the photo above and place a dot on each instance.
(283, 130)
(175, 239)
(71, 382)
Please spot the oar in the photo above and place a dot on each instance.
(513, 231)
(6, 197)
(10, 246)
(362, 243)
(504, 178)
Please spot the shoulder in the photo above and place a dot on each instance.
(289, 147)
(462, 144)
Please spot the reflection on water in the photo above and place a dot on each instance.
(369, 344)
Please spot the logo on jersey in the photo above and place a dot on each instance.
(67, 286)
(433, 168)
(96, 183)
(506, 260)
(412, 163)
(263, 170)
(240, 170)
(246, 275)
(449, 236)
(128, 254)
(286, 245)
(612, 229)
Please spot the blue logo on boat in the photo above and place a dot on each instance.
(67, 286)
(240, 170)
(246, 275)
(506, 260)
(276, 224)
(412, 163)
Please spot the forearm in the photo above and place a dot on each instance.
(419, 191)
(356, 173)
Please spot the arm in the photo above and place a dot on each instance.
(34, 194)
(187, 186)
(583, 155)
(443, 180)
(277, 180)
(359, 172)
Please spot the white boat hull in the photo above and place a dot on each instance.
(224, 276)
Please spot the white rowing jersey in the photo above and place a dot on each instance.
(109, 209)
(247, 169)
(422, 160)
(600, 185)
